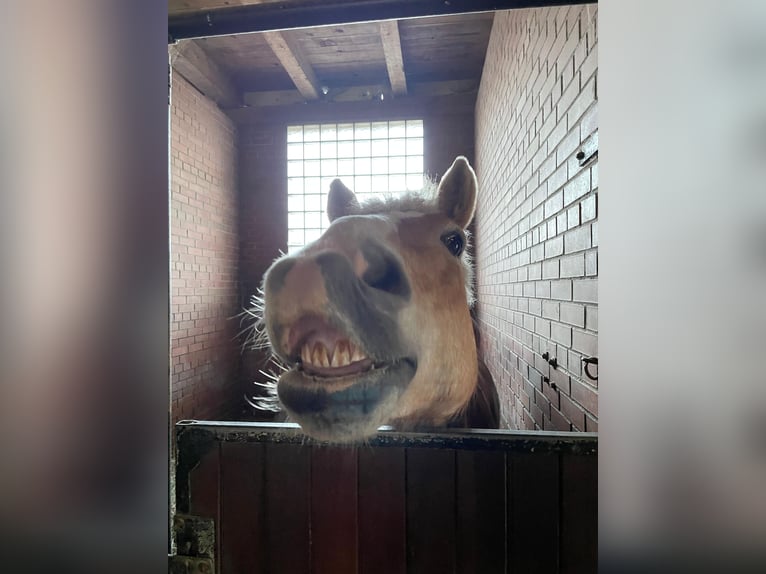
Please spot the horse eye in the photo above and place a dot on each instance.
(454, 242)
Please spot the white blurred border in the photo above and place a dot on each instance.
(682, 338)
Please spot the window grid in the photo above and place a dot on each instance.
(375, 159)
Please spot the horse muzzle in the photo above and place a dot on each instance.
(332, 317)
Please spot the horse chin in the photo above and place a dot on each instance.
(346, 408)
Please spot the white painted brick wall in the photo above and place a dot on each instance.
(537, 218)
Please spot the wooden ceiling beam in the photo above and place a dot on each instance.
(295, 64)
(392, 48)
(190, 60)
(361, 93)
(366, 110)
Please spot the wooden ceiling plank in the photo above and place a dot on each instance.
(297, 14)
(392, 48)
(295, 64)
(190, 60)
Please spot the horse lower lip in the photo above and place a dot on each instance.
(347, 398)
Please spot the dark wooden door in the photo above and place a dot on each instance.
(463, 502)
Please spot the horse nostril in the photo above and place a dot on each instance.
(275, 276)
(384, 272)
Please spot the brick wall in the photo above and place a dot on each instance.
(204, 258)
(537, 238)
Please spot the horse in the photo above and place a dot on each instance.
(372, 321)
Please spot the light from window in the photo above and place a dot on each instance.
(374, 159)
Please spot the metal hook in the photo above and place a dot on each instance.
(590, 361)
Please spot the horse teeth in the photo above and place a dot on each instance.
(324, 359)
(342, 354)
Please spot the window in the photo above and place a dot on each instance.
(372, 158)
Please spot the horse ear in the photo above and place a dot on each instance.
(341, 200)
(457, 192)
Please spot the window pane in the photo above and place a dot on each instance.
(295, 203)
(295, 151)
(295, 220)
(414, 182)
(329, 132)
(311, 168)
(346, 149)
(397, 129)
(380, 130)
(295, 133)
(397, 183)
(415, 128)
(379, 147)
(329, 150)
(380, 183)
(345, 167)
(362, 148)
(295, 237)
(312, 185)
(313, 203)
(311, 151)
(397, 165)
(362, 184)
(345, 132)
(362, 166)
(415, 164)
(414, 146)
(310, 133)
(397, 146)
(294, 168)
(361, 131)
(380, 165)
(295, 185)
(329, 167)
(313, 219)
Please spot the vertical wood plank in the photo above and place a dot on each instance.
(288, 491)
(242, 528)
(204, 485)
(204, 492)
(382, 511)
(481, 512)
(533, 544)
(431, 510)
(579, 513)
(333, 510)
